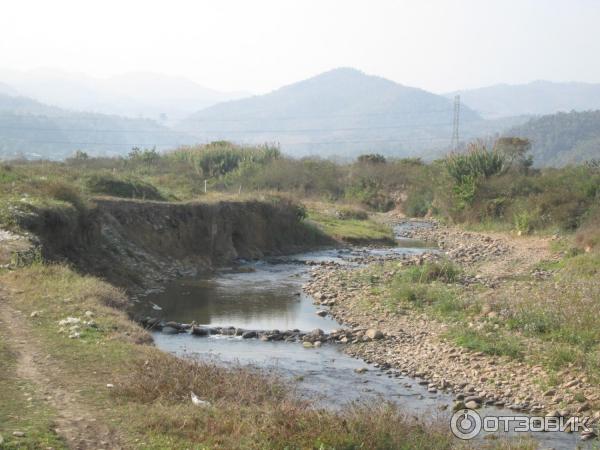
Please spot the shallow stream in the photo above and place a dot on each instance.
(267, 295)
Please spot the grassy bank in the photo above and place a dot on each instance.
(350, 225)
(551, 321)
(149, 406)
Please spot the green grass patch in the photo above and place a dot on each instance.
(491, 343)
(122, 187)
(444, 271)
(358, 231)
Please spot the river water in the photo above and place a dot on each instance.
(267, 295)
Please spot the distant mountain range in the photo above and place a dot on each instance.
(562, 138)
(34, 130)
(343, 112)
(536, 98)
(139, 95)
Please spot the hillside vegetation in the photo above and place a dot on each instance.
(33, 130)
(340, 112)
(563, 138)
(488, 185)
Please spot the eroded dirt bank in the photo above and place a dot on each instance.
(417, 343)
(140, 245)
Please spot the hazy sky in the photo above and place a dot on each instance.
(260, 45)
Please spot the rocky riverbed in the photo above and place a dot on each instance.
(413, 343)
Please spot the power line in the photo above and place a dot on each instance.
(166, 133)
(174, 145)
(90, 116)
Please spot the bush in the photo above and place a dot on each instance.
(351, 213)
(122, 187)
(418, 203)
(221, 157)
(146, 156)
(477, 162)
(444, 271)
(588, 236)
(372, 158)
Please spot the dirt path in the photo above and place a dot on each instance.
(491, 255)
(75, 423)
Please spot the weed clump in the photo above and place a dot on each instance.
(123, 187)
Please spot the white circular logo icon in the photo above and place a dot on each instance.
(465, 424)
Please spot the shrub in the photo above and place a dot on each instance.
(588, 236)
(523, 221)
(351, 213)
(418, 203)
(122, 187)
(221, 157)
(147, 156)
(445, 271)
(372, 158)
(477, 162)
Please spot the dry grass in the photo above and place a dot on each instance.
(150, 405)
(170, 379)
(251, 409)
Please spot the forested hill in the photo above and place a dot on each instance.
(343, 112)
(34, 130)
(562, 138)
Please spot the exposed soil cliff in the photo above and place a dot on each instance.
(140, 244)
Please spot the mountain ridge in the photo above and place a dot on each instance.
(338, 106)
(538, 97)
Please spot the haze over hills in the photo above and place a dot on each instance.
(342, 111)
(32, 129)
(562, 138)
(535, 98)
(5, 89)
(140, 95)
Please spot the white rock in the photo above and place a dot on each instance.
(198, 401)
(69, 321)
